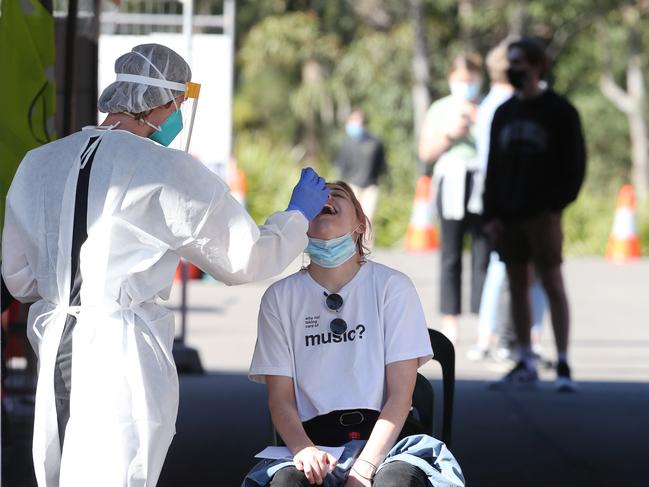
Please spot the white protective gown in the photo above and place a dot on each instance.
(147, 206)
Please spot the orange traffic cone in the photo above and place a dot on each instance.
(421, 235)
(238, 185)
(623, 243)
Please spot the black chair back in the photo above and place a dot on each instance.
(423, 396)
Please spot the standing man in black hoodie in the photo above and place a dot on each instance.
(535, 169)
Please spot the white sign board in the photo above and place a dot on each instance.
(211, 65)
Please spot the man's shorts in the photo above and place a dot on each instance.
(537, 239)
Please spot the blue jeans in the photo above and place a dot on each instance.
(491, 316)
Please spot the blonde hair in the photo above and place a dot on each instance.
(364, 237)
(470, 61)
(497, 63)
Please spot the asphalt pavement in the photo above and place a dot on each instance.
(594, 437)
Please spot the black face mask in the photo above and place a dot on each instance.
(516, 77)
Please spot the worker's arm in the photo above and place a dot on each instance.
(189, 210)
(234, 250)
(231, 247)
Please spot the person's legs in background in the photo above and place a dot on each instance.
(519, 278)
(515, 250)
(539, 305)
(495, 327)
(480, 250)
(400, 474)
(506, 349)
(451, 270)
(524, 372)
(489, 313)
(552, 279)
(546, 237)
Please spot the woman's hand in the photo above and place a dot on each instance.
(458, 126)
(355, 480)
(315, 464)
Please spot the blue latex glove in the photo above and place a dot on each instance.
(309, 195)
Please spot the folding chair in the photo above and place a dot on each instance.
(423, 397)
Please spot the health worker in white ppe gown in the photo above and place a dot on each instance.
(95, 225)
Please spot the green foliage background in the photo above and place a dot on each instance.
(302, 65)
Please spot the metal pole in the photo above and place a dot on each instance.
(188, 14)
(68, 83)
(229, 15)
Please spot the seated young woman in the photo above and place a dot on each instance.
(339, 344)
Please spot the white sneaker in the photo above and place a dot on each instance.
(564, 382)
(520, 377)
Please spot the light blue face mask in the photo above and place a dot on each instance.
(169, 129)
(465, 91)
(354, 130)
(331, 253)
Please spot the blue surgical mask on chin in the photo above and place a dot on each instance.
(169, 129)
(331, 253)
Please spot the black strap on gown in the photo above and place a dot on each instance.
(63, 367)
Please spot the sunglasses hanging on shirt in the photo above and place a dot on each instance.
(335, 302)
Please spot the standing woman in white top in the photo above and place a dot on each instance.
(95, 225)
(339, 344)
(447, 146)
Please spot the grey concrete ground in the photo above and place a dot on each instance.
(595, 437)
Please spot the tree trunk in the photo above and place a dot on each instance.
(632, 101)
(465, 11)
(311, 75)
(639, 148)
(420, 68)
(519, 20)
(635, 81)
(638, 126)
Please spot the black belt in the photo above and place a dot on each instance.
(352, 418)
(338, 427)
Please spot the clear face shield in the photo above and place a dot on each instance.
(188, 115)
(176, 130)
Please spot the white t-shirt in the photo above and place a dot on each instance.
(385, 324)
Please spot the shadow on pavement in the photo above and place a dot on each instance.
(595, 437)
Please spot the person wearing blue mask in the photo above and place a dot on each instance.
(95, 226)
(338, 345)
(447, 149)
(361, 161)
